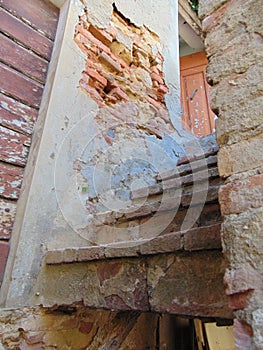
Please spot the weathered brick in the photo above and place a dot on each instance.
(212, 20)
(101, 35)
(97, 76)
(91, 39)
(238, 196)
(109, 62)
(240, 301)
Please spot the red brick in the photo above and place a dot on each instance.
(101, 35)
(97, 76)
(108, 61)
(4, 249)
(155, 103)
(157, 78)
(93, 93)
(163, 89)
(118, 92)
(242, 279)
(92, 39)
(239, 196)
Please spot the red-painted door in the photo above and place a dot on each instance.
(197, 116)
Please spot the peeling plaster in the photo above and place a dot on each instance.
(66, 124)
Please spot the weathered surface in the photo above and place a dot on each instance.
(234, 45)
(188, 284)
(76, 328)
(178, 283)
(27, 34)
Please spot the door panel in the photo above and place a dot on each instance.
(197, 116)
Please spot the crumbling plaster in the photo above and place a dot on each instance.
(49, 205)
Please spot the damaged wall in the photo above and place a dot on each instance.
(111, 111)
(234, 46)
(76, 129)
(76, 328)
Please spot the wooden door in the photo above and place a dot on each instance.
(197, 116)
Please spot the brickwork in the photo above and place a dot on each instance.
(124, 65)
(234, 45)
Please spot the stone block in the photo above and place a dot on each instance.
(236, 59)
(119, 285)
(239, 110)
(203, 238)
(241, 237)
(238, 196)
(240, 157)
(188, 284)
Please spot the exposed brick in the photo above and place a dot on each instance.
(118, 92)
(106, 59)
(101, 35)
(96, 75)
(91, 39)
(157, 78)
(241, 279)
(238, 196)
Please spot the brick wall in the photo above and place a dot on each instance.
(124, 66)
(234, 44)
(27, 32)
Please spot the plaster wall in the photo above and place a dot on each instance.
(54, 209)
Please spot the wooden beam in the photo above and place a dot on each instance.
(190, 17)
